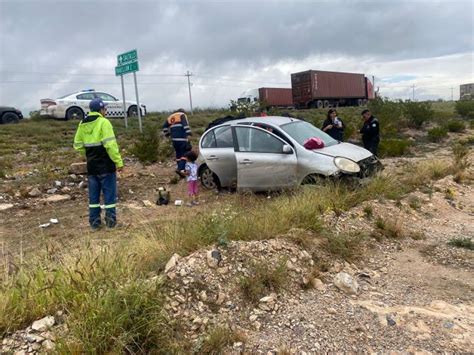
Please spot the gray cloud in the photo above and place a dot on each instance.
(214, 38)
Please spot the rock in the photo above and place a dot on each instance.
(203, 296)
(57, 183)
(267, 303)
(390, 320)
(318, 284)
(43, 324)
(52, 191)
(57, 198)
(65, 189)
(220, 298)
(171, 264)
(5, 206)
(346, 283)
(48, 345)
(147, 203)
(33, 338)
(19, 352)
(214, 258)
(78, 168)
(253, 318)
(34, 192)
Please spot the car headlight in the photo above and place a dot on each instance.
(346, 165)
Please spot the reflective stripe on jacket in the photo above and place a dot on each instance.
(95, 137)
(177, 127)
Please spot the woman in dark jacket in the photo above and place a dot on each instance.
(334, 126)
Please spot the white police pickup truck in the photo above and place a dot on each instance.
(76, 105)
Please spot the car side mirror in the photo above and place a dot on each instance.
(287, 149)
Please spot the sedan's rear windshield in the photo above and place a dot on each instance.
(300, 131)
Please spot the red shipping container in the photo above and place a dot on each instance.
(276, 96)
(324, 85)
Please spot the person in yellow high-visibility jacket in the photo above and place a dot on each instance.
(96, 139)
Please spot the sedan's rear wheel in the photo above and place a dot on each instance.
(10, 117)
(209, 180)
(74, 113)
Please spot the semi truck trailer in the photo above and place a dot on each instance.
(268, 97)
(318, 89)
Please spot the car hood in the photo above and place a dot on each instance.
(345, 150)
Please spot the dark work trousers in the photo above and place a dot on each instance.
(180, 149)
(107, 184)
(372, 146)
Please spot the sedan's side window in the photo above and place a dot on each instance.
(257, 141)
(89, 96)
(209, 140)
(105, 97)
(224, 137)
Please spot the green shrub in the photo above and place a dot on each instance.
(263, 279)
(437, 134)
(465, 108)
(149, 147)
(389, 114)
(418, 113)
(394, 147)
(218, 339)
(455, 126)
(465, 243)
(347, 246)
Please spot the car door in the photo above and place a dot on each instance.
(264, 161)
(217, 148)
(114, 107)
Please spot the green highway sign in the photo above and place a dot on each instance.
(127, 57)
(127, 68)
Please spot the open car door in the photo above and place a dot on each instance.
(264, 161)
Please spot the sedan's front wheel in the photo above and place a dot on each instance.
(209, 180)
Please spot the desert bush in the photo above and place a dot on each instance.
(215, 342)
(394, 147)
(418, 113)
(389, 113)
(109, 307)
(465, 108)
(347, 246)
(465, 243)
(455, 126)
(263, 279)
(389, 228)
(149, 147)
(437, 134)
(461, 156)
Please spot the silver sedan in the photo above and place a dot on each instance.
(267, 153)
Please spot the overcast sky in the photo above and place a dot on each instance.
(51, 48)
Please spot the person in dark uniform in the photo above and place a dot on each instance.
(370, 132)
(177, 127)
(334, 126)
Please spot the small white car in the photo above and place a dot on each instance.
(76, 105)
(268, 153)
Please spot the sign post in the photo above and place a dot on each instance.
(128, 63)
(124, 104)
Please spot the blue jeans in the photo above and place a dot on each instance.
(107, 184)
(180, 149)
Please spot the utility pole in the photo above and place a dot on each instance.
(188, 74)
(413, 87)
(452, 94)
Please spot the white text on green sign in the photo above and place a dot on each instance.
(127, 57)
(127, 68)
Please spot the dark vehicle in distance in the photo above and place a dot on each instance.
(10, 114)
(318, 89)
